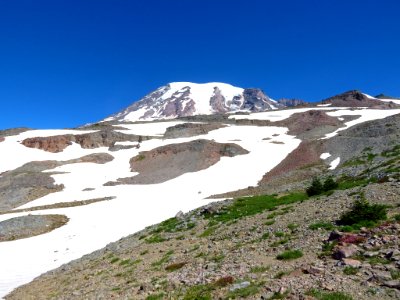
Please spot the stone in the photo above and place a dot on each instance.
(345, 251)
(240, 285)
(371, 253)
(394, 284)
(351, 262)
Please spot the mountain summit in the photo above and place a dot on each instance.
(181, 99)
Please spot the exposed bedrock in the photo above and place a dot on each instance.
(170, 161)
(30, 225)
(29, 182)
(190, 129)
(104, 138)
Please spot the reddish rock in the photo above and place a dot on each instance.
(52, 144)
(351, 239)
(1, 139)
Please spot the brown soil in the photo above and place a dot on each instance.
(190, 129)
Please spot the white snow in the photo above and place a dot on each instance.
(365, 115)
(152, 129)
(136, 206)
(323, 105)
(383, 99)
(279, 115)
(325, 155)
(20, 155)
(334, 163)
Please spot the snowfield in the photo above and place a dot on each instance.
(93, 226)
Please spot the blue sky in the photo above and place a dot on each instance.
(67, 62)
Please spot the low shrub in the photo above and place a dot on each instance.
(289, 255)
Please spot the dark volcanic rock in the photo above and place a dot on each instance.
(356, 99)
(293, 102)
(255, 101)
(170, 161)
(190, 129)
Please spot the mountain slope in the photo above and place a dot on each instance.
(181, 99)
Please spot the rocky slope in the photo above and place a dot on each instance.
(283, 244)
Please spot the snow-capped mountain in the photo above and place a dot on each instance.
(181, 99)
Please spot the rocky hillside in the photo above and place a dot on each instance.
(338, 239)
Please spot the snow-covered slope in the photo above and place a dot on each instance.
(179, 99)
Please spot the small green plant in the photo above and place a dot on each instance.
(279, 242)
(175, 266)
(280, 274)
(350, 270)
(114, 260)
(248, 291)
(159, 296)
(396, 217)
(198, 292)
(328, 295)
(155, 238)
(258, 269)
(292, 226)
(265, 236)
(323, 225)
(279, 234)
(209, 231)
(395, 274)
(289, 255)
(163, 259)
(270, 222)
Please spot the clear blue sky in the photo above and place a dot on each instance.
(68, 62)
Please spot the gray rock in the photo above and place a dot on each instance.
(240, 285)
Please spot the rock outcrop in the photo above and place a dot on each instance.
(170, 161)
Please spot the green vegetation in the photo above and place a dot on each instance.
(163, 259)
(198, 292)
(173, 225)
(140, 157)
(395, 274)
(249, 206)
(175, 266)
(323, 225)
(270, 222)
(317, 187)
(279, 234)
(209, 231)
(328, 295)
(114, 260)
(292, 226)
(155, 238)
(265, 236)
(279, 242)
(350, 270)
(289, 255)
(250, 290)
(258, 269)
(363, 213)
(159, 296)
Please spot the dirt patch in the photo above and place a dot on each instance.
(28, 226)
(168, 162)
(104, 138)
(190, 129)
